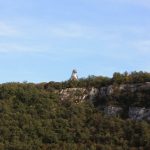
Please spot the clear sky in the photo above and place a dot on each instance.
(43, 40)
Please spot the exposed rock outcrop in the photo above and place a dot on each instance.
(74, 94)
(83, 93)
(108, 97)
(110, 90)
(139, 113)
(93, 93)
(113, 110)
(79, 94)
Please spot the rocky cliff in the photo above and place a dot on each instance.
(114, 99)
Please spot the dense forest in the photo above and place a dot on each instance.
(33, 118)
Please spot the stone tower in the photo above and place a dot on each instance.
(74, 75)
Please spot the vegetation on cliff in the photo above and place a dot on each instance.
(33, 117)
(99, 81)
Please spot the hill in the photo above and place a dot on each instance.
(69, 115)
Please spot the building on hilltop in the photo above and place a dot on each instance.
(74, 75)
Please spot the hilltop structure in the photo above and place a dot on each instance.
(74, 75)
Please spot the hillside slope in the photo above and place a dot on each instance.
(68, 115)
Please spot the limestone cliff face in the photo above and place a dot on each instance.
(82, 94)
(131, 88)
(74, 94)
(139, 113)
(108, 97)
(112, 110)
(78, 94)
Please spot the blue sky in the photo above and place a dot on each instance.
(43, 40)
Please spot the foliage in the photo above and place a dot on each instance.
(100, 81)
(33, 117)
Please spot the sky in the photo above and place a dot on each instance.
(44, 40)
